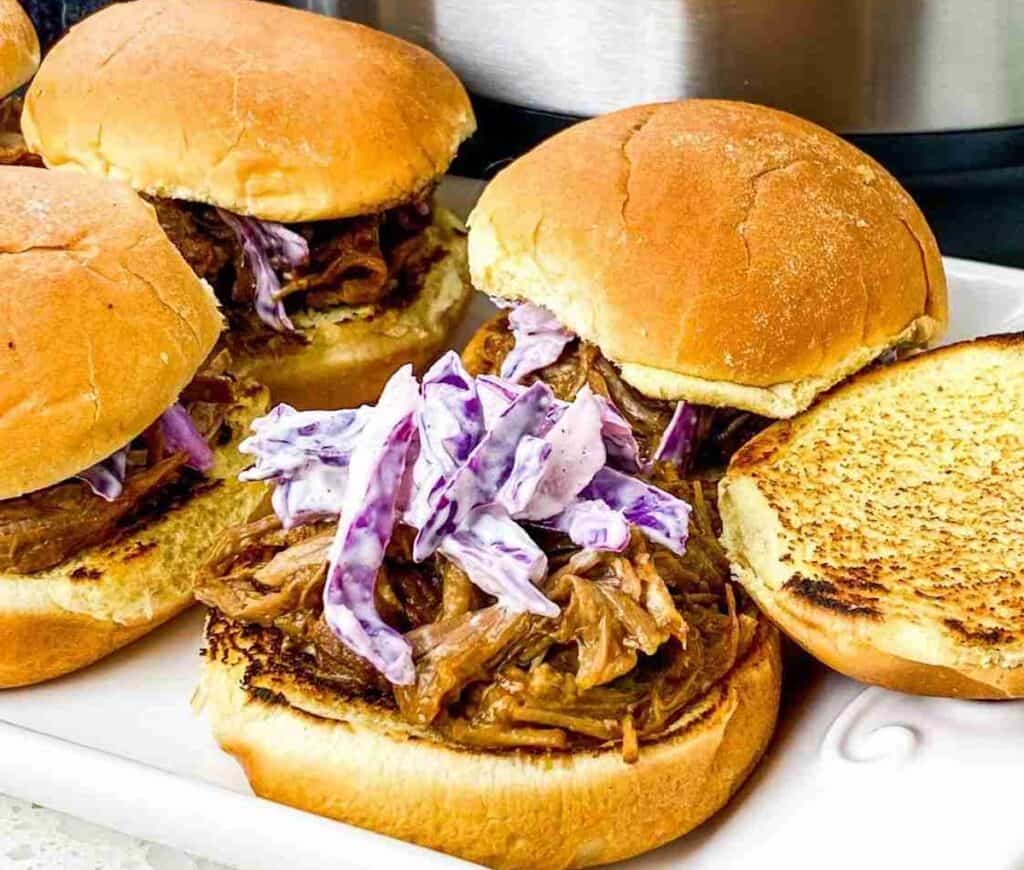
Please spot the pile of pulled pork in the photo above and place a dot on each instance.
(161, 468)
(639, 635)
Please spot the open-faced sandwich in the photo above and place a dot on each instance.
(491, 613)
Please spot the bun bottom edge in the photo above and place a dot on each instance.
(509, 810)
(48, 644)
(861, 656)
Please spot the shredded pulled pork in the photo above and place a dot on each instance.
(353, 261)
(42, 529)
(640, 635)
(720, 431)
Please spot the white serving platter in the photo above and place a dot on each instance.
(855, 777)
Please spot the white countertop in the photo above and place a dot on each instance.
(35, 838)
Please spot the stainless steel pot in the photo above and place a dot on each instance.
(858, 66)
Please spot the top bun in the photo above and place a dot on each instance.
(260, 109)
(719, 252)
(103, 324)
(19, 47)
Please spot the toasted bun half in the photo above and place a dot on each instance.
(303, 745)
(352, 351)
(257, 108)
(19, 47)
(53, 622)
(103, 324)
(883, 530)
(719, 252)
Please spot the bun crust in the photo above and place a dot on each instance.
(352, 352)
(54, 622)
(882, 529)
(362, 765)
(262, 110)
(19, 47)
(103, 324)
(718, 251)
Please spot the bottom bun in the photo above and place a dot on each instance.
(301, 745)
(352, 351)
(54, 622)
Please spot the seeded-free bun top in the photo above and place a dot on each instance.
(103, 323)
(260, 109)
(719, 252)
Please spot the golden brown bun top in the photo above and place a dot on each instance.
(19, 47)
(103, 323)
(884, 528)
(257, 108)
(719, 251)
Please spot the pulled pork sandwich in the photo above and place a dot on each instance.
(728, 255)
(291, 158)
(119, 463)
(480, 620)
(704, 267)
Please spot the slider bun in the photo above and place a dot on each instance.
(260, 109)
(103, 324)
(53, 622)
(307, 746)
(883, 530)
(353, 350)
(720, 252)
(19, 47)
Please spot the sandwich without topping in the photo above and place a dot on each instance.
(884, 529)
(291, 158)
(119, 431)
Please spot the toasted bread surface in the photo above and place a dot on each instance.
(884, 529)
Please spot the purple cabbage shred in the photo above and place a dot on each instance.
(467, 463)
(269, 248)
(680, 436)
(540, 340)
(106, 478)
(181, 436)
